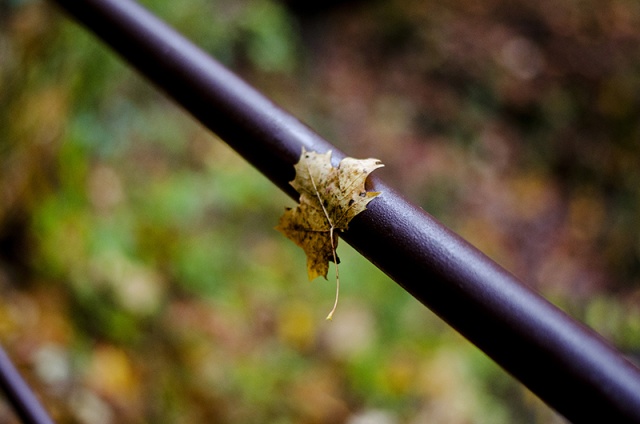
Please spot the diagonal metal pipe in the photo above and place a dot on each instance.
(566, 364)
(24, 401)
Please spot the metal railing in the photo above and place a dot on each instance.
(24, 402)
(566, 364)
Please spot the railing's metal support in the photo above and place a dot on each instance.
(564, 363)
(19, 395)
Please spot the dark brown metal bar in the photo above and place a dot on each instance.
(19, 395)
(566, 364)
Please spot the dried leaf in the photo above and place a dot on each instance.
(329, 198)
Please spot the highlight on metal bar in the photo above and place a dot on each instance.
(19, 395)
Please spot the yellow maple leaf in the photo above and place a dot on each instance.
(329, 198)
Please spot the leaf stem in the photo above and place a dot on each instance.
(335, 261)
(333, 246)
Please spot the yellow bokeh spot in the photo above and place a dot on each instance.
(296, 325)
(111, 373)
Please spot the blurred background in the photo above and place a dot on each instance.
(141, 279)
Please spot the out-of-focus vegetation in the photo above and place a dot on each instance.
(141, 279)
